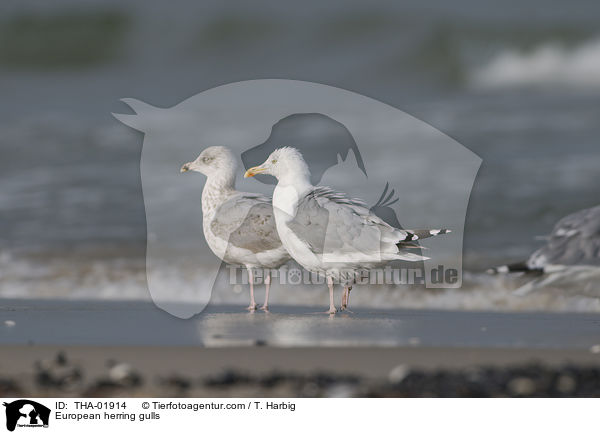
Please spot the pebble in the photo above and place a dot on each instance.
(398, 373)
(595, 349)
(59, 376)
(566, 384)
(522, 386)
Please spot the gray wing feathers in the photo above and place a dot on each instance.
(575, 240)
(247, 222)
(335, 196)
(332, 223)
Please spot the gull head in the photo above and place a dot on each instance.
(282, 163)
(212, 161)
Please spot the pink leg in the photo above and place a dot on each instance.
(252, 306)
(332, 310)
(348, 296)
(267, 287)
(345, 297)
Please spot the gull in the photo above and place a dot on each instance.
(239, 227)
(572, 246)
(328, 233)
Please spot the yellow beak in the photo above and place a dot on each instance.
(185, 168)
(254, 171)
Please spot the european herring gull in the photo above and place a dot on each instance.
(328, 233)
(575, 240)
(239, 227)
(571, 254)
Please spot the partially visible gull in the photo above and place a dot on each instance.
(572, 249)
(328, 233)
(575, 240)
(238, 227)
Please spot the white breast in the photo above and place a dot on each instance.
(285, 205)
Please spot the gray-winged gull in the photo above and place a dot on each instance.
(325, 231)
(238, 227)
(575, 240)
(571, 252)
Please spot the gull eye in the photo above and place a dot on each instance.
(273, 161)
(206, 159)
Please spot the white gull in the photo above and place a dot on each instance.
(328, 233)
(239, 227)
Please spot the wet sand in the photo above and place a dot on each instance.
(293, 351)
(142, 324)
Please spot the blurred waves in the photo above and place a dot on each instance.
(518, 83)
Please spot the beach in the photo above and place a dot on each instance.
(288, 352)
(264, 371)
(143, 324)
(511, 87)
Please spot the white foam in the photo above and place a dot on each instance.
(550, 64)
(120, 279)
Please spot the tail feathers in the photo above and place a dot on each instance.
(518, 267)
(410, 242)
(410, 245)
(419, 234)
(405, 256)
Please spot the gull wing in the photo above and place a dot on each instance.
(246, 221)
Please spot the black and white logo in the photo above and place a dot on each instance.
(25, 413)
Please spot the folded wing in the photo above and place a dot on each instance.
(575, 240)
(246, 221)
(346, 230)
